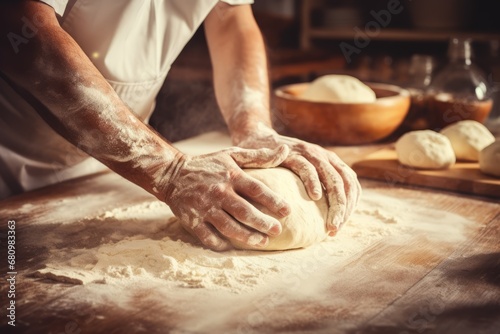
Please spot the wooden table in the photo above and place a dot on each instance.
(426, 288)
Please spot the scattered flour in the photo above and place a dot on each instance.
(164, 253)
(139, 212)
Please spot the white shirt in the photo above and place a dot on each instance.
(133, 44)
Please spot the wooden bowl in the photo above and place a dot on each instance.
(341, 123)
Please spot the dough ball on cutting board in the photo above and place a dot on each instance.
(306, 225)
(425, 149)
(468, 138)
(338, 89)
(489, 159)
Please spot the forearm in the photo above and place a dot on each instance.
(240, 72)
(80, 105)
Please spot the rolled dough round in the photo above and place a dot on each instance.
(489, 159)
(468, 138)
(425, 149)
(338, 89)
(306, 225)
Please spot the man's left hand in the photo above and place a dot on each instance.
(318, 168)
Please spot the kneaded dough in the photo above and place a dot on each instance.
(468, 138)
(425, 149)
(306, 225)
(489, 159)
(338, 89)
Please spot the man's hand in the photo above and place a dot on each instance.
(316, 167)
(210, 194)
(242, 89)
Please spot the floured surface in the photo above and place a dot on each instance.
(144, 263)
(165, 253)
(107, 231)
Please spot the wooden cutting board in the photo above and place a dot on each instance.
(463, 177)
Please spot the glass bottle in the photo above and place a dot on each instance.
(493, 121)
(460, 90)
(420, 76)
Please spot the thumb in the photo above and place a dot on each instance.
(261, 158)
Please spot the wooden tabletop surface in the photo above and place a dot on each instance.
(421, 286)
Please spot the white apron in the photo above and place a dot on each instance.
(132, 43)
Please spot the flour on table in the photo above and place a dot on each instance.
(157, 250)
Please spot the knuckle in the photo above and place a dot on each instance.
(208, 238)
(337, 200)
(245, 214)
(252, 218)
(234, 175)
(240, 212)
(255, 189)
(217, 190)
(304, 147)
(216, 246)
(261, 225)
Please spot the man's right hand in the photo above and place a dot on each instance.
(211, 196)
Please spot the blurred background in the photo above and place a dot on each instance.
(398, 42)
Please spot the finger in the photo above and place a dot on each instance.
(257, 192)
(233, 230)
(351, 184)
(336, 195)
(261, 158)
(248, 215)
(307, 173)
(209, 237)
(333, 184)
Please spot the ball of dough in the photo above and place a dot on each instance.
(339, 89)
(468, 138)
(489, 159)
(425, 149)
(306, 225)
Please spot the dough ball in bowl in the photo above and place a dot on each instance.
(306, 225)
(425, 149)
(489, 159)
(338, 89)
(468, 138)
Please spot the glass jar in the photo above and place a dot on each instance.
(460, 90)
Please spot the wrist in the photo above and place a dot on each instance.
(163, 184)
(153, 169)
(251, 130)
